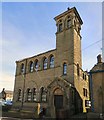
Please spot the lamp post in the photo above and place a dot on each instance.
(39, 106)
(23, 91)
(37, 97)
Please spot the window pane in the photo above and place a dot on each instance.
(31, 67)
(84, 92)
(36, 65)
(68, 23)
(65, 69)
(45, 63)
(34, 94)
(83, 75)
(19, 95)
(43, 94)
(44, 98)
(22, 68)
(78, 73)
(52, 62)
(60, 27)
(29, 95)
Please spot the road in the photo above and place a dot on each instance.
(10, 118)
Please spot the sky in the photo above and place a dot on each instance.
(28, 29)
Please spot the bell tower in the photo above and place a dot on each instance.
(68, 38)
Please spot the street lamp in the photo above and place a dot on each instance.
(38, 91)
(23, 75)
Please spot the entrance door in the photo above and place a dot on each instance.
(58, 101)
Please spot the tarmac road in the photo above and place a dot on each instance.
(10, 118)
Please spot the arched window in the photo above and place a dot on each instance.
(68, 23)
(36, 65)
(43, 92)
(22, 68)
(34, 94)
(29, 94)
(64, 69)
(52, 61)
(19, 95)
(83, 76)
(60, 27)
(78, 73)
(84, 92)
(45, 63)
(74, 23)
(31, 66)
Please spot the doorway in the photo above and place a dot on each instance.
(59, 103)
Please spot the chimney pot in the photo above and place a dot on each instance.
(68, 8)
(99, 59)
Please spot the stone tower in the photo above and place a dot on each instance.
(68, 38)
(68, 41)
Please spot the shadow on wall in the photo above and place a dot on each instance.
(78, 103)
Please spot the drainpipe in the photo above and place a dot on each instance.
(24, 80)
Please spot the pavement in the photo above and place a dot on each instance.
(10, 118)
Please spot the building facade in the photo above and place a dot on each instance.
(54, 80)
(96, 75)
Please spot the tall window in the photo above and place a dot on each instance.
(51, 61)
(19, 95)
(78, 73)
(68, 23)
(34, 94)
(29, 95)
(83, 76)
(22, 68)
(43, 94)
(31, 66)
(84, 92)
(60, 27)
(36, 65)
(74, 23)
(45, 63)
(64, 69)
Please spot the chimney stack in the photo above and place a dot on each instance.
(99, 59)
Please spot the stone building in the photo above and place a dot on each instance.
(96, 75)
(54, 80)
